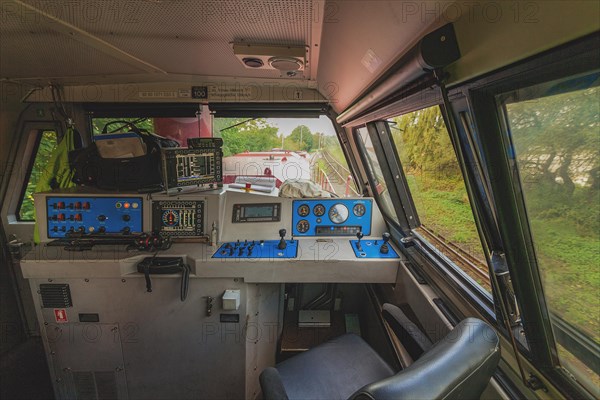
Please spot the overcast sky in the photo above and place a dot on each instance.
(287, 125)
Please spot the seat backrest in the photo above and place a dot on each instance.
(457, 367)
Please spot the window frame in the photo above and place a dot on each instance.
(566, 61)
(30, 165)
(418, 250)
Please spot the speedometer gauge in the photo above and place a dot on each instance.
(338, 213)
(319, 210)
(302, 226)
(359, 209)
(304, 210)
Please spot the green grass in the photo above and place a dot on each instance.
(570, 268)
(568, 253)
(445, 210)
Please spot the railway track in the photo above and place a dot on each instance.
(474, 267)
(337, 174)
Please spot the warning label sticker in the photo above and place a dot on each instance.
(60, 315)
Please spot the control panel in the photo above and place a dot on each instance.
(331, 217)
(378, 248)
(257, 249)
(265, 212)
(178, 218)
(67, 214)
(271, 249)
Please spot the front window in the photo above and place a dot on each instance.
(555, 133)
(283, 148)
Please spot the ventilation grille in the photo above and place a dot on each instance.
(56, 295)
(95, 385)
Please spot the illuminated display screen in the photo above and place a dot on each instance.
(258, 212)
(269, 212)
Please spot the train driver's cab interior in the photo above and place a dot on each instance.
(299, 199)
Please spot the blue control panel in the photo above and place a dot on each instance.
(331, 217)
(257, 249)
(372, 249)
(93, 215)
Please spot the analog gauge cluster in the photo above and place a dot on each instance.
(332, 217)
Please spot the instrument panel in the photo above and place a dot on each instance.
(331, 217)
(89, 214)
(178, 218)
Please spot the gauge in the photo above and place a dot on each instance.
(303, 210)
(319, 210)
(338, 213)
(302, 226)
(170, 218)
(359, 210)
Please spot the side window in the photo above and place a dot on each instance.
(46, 145)
(555, 133)
(381, 188)
(438, 190)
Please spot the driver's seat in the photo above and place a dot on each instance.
(457, 367)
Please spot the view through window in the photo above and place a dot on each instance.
(556, 138)
(283, 148)
(47, 144)
(438, 190)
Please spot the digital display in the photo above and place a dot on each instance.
(258, 212)
(266, 212)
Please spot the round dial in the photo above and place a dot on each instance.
(303, 210)
(359, 210)
(319, 210)
(302, 226)
(338, 213)
(170, 218)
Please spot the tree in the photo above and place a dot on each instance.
(240, 135)
(300, 139)
(424, 144)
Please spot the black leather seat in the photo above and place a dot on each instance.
(457, 367)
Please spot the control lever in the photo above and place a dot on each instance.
(359, 236)
(282, 243)
(384, 249)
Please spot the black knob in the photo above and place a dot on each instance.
(101, 217)
(384, 249)
(126, 230)
(282, 244)
(101, 229)
(385, 237)
(126, 217)
(359, 235)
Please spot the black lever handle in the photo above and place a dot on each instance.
(282, 243)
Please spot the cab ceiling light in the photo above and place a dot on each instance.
(285, 63)
(279, 58)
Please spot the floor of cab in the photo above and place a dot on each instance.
(24, 372)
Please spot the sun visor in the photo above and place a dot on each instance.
(436, 50)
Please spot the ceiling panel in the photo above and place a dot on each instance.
(183, 37)
(29, 50)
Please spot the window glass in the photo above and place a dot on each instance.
(47, 144)
(438, 190)
(284, 148)
(555, 131)
(380, 186)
